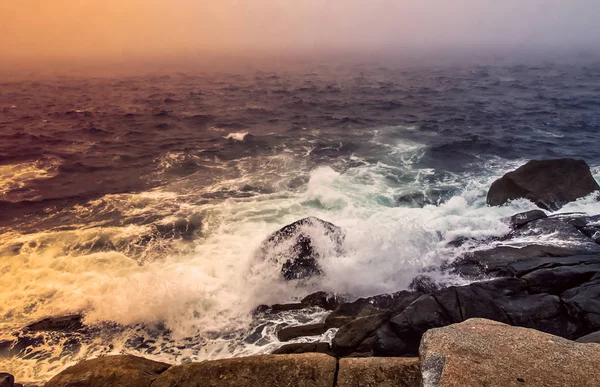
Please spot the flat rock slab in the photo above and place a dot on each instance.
(289, 333)
(304, 370)
(380, 372)
(110, 371)
(481, 352)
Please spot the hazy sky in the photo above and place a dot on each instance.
(128, 28)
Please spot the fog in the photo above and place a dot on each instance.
(42, 30)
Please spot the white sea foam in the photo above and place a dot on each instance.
(207, 289)
(238, 136)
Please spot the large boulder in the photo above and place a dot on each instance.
(379, 372)
(110, 371)
(303, 370)
(480, 352)
(550, 184)
(299, 246)
(6, 380)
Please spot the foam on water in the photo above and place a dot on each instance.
(202, 293)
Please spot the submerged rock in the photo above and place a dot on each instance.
(110, 371)
(296, 348)
(550, 184)
(303, 370)
(68, 323)
(296, 246)
(480, 352)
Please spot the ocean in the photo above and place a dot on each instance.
(142, 201)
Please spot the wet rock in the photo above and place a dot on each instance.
(296, 348)
(421, 199)
(364, 307)
(109, 371)
(327, 301)
(550, 184)
(6, 380)
(303, 370)
(68, 323)
(424, 284)
(295, 245)
(10, 348)
(289, 333)
(523, 218)
(590, 338)
(352, 334)
(380, 372)
(480, 352)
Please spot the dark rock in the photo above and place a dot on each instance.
(591, 338)
(583, 305)
(523, 218)
(423, 284)
(296, 348)
(525, 266)
(550, 184)
(63, 323)
(109, 371)
(301, 259)
(327, 301)
(351, 335)
(6, 380)
(559, 230)
(363, 307)
(301, 370)
(289, 333)
(10, 348)
(556, 280)
(421, 199)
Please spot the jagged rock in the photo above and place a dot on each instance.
(110, 371)
(480, 352)
(523, 218)
(303, 370)
(62, 323)
(295, 246)
(289, 333)
(380, 372)
(6, 380)
(363, 307)
(550, 184)
(296, 348)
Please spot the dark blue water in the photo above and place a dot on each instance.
(98, 174)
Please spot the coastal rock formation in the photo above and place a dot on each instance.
(60, 323)
(480, 352)
(298, 246)
(379, 372)
(304, 370)
(289, 333)
(110, 371)
(6, 380)
(550, 184)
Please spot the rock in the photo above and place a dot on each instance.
(68, 323)
(298, 246)
(6, 380)
(290, 333)
(327, 301)
(364, 307)
(296, 348)
(109, 371)
(590, 338)
(550, 184)
(304, 370)
(480, 352)
(351, 335)
(523, 218)
(421, 199)
(423, 284)
(379, 372)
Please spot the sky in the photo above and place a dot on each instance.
(99, 29)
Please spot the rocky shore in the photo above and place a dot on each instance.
(516, 323)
